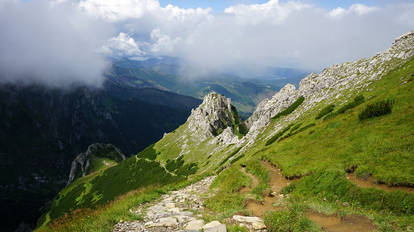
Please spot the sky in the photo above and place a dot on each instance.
(220, 5)
(61, 42)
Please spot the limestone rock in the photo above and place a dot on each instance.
(214, 117)
(214, 226)
(174, 212)
(331, 83)
(253, 223)
(195, 225)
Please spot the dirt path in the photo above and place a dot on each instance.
(370, 183)
(332, 223)
(329, 223)
(277, 182)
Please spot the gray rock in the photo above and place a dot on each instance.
(214, 226)
(166, 222)
(254, 223)
(195, 225)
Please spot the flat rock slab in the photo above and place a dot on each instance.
(214, 226)
(195, 225)
(253, 223)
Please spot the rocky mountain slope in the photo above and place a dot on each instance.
(338, 148)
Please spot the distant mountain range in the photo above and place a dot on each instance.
(164, 73)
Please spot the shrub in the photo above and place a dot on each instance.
(377, 109)
(358, 100)
(236, 159)
(325, 111)
(178, 167)
(277, 135)
(291, 108)
(148, 153)
(295, 127)
(230, 155)
(297, 131)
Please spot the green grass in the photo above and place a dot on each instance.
(231, 154)
(358, 100)
(382, 147)
(104, 186)
(256, 168)
(333, 185)
(292, 220)
(227, 200)
(278, 135)
(104, 217)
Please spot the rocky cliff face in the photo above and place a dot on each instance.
(214, 117)
(330, 84)
(81, 165)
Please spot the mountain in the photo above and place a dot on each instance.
(43, 129)
(165, 73)
(334, 154)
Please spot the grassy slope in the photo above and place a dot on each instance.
(105, 185)
(381, 147)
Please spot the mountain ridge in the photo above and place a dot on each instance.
(317, 153)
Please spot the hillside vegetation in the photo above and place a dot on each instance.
(338, 148)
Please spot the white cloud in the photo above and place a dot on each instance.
(52, 44)
(245, 37)
(119, 9)
(162, 42)
(358, 9)
(252, 36)
(122, 45)
(272, 11)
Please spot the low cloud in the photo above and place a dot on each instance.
(122, 45)
(251, 37)
(54, 44)
(58, 43)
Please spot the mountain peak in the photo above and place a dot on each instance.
(213, 116)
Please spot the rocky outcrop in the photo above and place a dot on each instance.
(81, 165)
(214, 116)
(329, 84)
